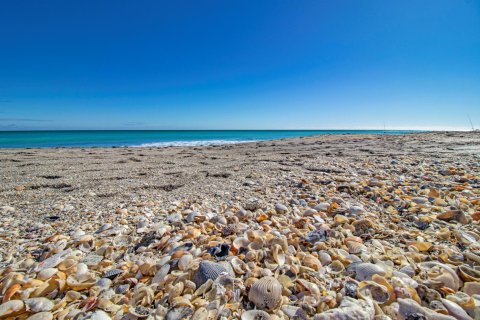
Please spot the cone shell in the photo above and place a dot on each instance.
(266, 293)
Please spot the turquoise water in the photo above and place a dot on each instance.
(44, 139)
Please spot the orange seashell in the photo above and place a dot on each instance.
(262, 217)
(178, 254)
(11, 292)
(475, 216)
(421, 246)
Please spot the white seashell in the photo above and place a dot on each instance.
(255, 315)
(266, 293)
(455, 310)
(349, 309)
(38, 305)
(41, 316)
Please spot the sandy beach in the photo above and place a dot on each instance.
(311, 213)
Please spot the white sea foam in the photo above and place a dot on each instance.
(193, 143)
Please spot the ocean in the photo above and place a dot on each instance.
(156, 138)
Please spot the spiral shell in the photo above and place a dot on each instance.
(266, 293)
(208, 270)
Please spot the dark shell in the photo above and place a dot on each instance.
(316, 236)
(351, 289)
(112, 274)
(208, 270)
(220, 252)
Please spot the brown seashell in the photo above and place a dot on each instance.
(11, 291)
(336, 267)
(266, 293)
(421, 246)
(468, 274)
(312, 262)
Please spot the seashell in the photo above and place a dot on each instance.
(324, 258)
(77, 285)
(355, 247)
(266, 293)
(278, 254)
(41, 316)
(91, 260)
(179, 313)
(99, 315)
(66, 264)
(469, 274)
(365, 271)
(455, 310)
(316, 236)
(161, 274)
(312, 262)
(112, 273)
(255, 315)
(139, 311)
(463, 300)
(336, 267)
(372, 290)
(53, 261)
(421, 245)
(38, 304)
(410, 309)
(348, 309)
(208, 270)
(240, 243)
(471, 288)
(10, 292)
(46, 274)
(185, 262)
(238, 266)
(11, 308)
(200, 314)
(441, 273)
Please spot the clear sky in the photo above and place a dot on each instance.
(279, 64)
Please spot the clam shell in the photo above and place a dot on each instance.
(373, 290)
(11, 308)
(448, 277)
(208, 270)
(53, 261)
(365, 271)
(38, 305)
(266, 293)
(255, 315)
(41, 316)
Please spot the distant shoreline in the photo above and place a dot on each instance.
(161, 138)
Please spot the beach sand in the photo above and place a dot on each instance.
(400, 183)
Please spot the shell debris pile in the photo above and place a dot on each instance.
(400, 242)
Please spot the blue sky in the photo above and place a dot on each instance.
(413, 64)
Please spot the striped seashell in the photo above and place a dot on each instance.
(161, 274)
(255, 315)
(365, 271)
(208, 270)
(355, 247)
(266, 293)
(113, 273)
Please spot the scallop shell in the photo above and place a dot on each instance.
(113, 273)
(255, 315)
(365, 271)
(208, 270)
(266, 293)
